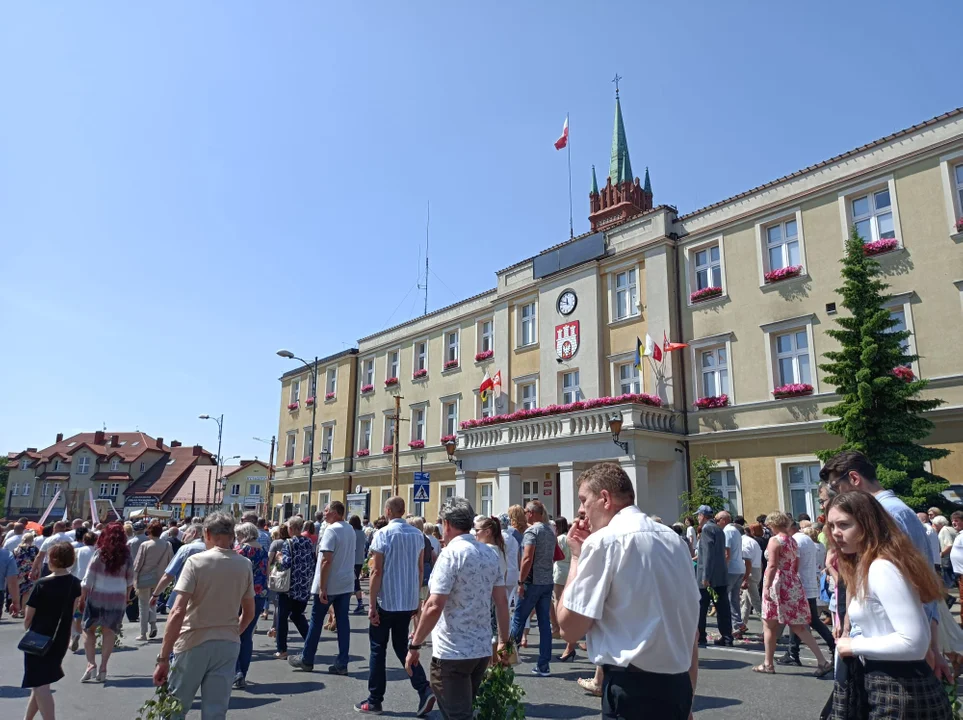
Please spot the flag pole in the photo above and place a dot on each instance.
(568, 145)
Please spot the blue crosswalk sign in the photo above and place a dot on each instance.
(422, 486)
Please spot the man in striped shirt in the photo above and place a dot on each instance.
(396, 570)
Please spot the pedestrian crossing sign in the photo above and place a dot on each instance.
(421, 493)
(422, 486)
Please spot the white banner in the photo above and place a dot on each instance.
(93, 508)
(43, 518)
(119, 517)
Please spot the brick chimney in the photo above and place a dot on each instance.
(99, 437)
(176, 443)
(197, 451)
(115, 440)
(33, 450)
(60, 437)
(160, 443)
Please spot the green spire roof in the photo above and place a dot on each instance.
(595, 183)
(648, 186)
(620, 169)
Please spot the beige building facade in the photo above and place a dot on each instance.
(749, 283)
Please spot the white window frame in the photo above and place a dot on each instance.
(846, 197)
(951, 191)
(904, 302)
(389, 429)
(331, 380)
(83, 465)
(482, 336)
(782, 475)
(521, 322)
(484, 498)
(295, 390)
(235, 489)
(385, 496)
(104, 489)
(416, 356)
(362, 443)
(689, 253)
(535, 487)
(143, 466)
(452, 340)
(481, 408)
(419, 422)
(291, 446)
(313, 390)
(308, 443)
(56, 465)
(392, 364)
(528, 381)
(762, 241)
(368, 371)
(447, 403)
(696, 348)
(45, 490)
(24, 463)
(617, 382)
(780, 327)
(576, 388)
(254, 489)
(14, 489)
(26, 488)
(630, 292)
(114, 464)
(732, 466)
(324, 497)
(445, 491)
(327, 439)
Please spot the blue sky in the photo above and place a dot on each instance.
(186, 187)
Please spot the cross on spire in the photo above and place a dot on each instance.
(616, 81)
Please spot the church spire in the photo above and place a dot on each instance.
(647, 186)
(595, 183)
(620, 169)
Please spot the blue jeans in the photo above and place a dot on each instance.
(538, 597)
(318, 613)
(396, 624)
(247, 639)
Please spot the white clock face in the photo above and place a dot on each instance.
(567, 302)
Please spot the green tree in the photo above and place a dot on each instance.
(880, 412)
(703, 493)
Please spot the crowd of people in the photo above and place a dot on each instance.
(869, 576)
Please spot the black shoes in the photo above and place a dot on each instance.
(722, 642)
(789, 660)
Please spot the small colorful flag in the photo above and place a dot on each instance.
(563, 140)
(487, 385)
(651, 349)
(670, 346)
(639, 353)
(497, 384)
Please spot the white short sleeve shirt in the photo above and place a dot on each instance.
(635, 580)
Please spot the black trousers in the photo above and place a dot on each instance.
(640, 695)
(723, 613)
(816, 624)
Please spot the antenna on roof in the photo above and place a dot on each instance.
(425, 286)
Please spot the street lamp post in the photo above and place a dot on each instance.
(314, 415)
(220, 433)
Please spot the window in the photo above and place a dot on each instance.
(56, 465)
(804, 489)
(529, 491)
(486, 407)
(447, 493)
(450, 415)
(389, 430)
(235, 489)
(393, 364)
(708, 268)
(24, 464)
(254, 489)
(114, 465)
(324, 497)
(103, 489)
(629, 379)
(714, 365)
(485, 495)
(295, 390)
(327, 439)
(26, 489)
(451, 346)
(528, 330)
(367, 372)
(872, 215)
(292, 447)
(313, 384)
(958, 181)
(418, 423)
(332, 381)
(570, 388)
(175, 512)
(899, 315)
(83, 465)
(782, 245)
(527, 396)
(385, 496)
(114, 489)
(725, 483)
(143, 466)
(421, 355)
(308, 442)
(46, 490)
(626, 294)
(364, 436)
(485, 336)
(302, 504)
(13, 489)
(792, 358)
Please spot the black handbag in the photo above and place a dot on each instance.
(34, 643)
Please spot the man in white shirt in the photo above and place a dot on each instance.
(466, 580)
(333, 585)
(13, 540)
(752, 556)
(933, 539)
(810, 581)
(59, 535)
(641, 627)
(736, 569)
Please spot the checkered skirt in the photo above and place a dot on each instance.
(876, 694)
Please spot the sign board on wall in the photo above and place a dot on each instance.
(140, 501)
(358, 504)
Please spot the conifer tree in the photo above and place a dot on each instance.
(880, 412)
(703, 493)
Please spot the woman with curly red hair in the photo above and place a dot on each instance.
(106, 587)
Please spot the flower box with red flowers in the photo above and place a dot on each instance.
(639, 398)
(418, 374)
(792, 390)
(451, 364)
(416, 444)
(387, 449)
(783, 273)
(365, 389)
(305, 460)
(705, 294)
(904, 373)
(309, 402)
(293, 406)
(328, 396)
(486, 355)
(363, 453)
(716, 401)
(445, 439)
(878, 247)
(391, 381)
(959, 224)
(289, 463)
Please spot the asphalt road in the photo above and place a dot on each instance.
(727, 688)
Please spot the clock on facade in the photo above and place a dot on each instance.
(567, 302)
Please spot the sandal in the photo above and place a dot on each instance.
(764, 669)
(823, 670)
(589, 686)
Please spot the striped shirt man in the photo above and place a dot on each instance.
(400, 543)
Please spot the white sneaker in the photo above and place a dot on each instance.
(89, 674)
(141, 638)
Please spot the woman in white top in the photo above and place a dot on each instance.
(488, 531)
(887, 582)
(690, 533)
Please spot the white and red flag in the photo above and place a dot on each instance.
(563, 139)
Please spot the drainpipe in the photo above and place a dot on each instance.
(683, 388)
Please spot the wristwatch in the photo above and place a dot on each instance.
(162, 658)
(412, 646)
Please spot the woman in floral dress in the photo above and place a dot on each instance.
(25, 554)
(783, 596)
(249, 546)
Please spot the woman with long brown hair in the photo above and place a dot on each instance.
(887, 582)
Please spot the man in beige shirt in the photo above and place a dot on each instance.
(203, 628)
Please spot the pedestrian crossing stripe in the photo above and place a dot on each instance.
(421, 494)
